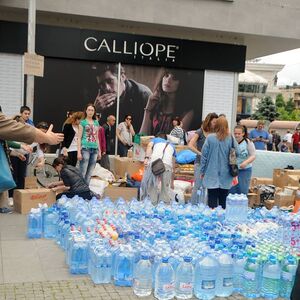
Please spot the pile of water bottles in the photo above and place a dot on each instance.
(175, 250)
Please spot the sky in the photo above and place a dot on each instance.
(291, 72)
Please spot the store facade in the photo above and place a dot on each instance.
(77, 62)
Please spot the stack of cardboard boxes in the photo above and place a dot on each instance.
(287, 183)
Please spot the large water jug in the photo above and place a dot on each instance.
(50, 223)
(78, 255)
(288, 272)
(250, 287)
(185, 279)
(102, 265)
(271, 278)
(35, 224)
(225, 275)
(164, 281)
(123, 266)
(142, 283)
(205, 277)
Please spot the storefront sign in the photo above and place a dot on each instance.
(83, 44)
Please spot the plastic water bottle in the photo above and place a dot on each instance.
(205, 277)
(35, 224)
(238, 272)
(271, 278)
(164, 281)
(101, 269)
(50, 223)
(123, 272)
(185, 279)
(288, 272)
(251, 278)
(142, 283)
(78, 255)
(225, 275)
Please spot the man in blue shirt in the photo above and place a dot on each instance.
(259, 136)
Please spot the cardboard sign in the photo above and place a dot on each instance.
(33, 64)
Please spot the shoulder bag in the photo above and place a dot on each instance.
(158, 166)
(6, 180)
(233, 167)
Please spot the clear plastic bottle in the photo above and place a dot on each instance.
(238, 272)
(288, 272)
(225, 275)
(102, 265)
(271, 278)
(164, 281)
(251, 278)
(205, 277)
(185, 279)
(50, 223)
(35, 224)
(142, 283)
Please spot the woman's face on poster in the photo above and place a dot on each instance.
(170, 83)
(90, 111)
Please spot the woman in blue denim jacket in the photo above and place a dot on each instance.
(214, 167)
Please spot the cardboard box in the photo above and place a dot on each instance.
(145, 140)
(31, 182)
(124, 165)
(254, 199)
(281, 176)
(282, 199)
(294, 180)
(114, 192)
(260, 180)
(24, 200)
(269, 204)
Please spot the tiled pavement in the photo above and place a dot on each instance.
(35, 269)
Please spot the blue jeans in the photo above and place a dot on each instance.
(244, 178)
(197, 183)
(88, 163)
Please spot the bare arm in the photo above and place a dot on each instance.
(118, 133)
(80, 130)
(132, 130)
(187, 120)
(148, 153)
(192, 144)
(146, 124)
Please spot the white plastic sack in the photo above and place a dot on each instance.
(178, 195)
(103, 174)
(98, 186)
(172, 139)
(184, 186)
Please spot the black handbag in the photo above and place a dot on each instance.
(158, 166)
(233, 167)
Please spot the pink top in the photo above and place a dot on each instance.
(101, 137)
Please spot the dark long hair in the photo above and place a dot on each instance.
(86, 107)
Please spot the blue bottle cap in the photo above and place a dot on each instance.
(165, 259)
(187, 258)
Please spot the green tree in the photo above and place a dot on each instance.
(290, 105)
(265, 110)
(279, 102)
(283, 114)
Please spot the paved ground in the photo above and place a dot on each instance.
(35, 269)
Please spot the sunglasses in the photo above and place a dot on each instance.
(128, 119)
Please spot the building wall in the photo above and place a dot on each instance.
(206, 20)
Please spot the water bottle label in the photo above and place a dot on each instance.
(249, 275)
(208, 284)
(168, 287)
(228, 282)
(186, 286)
(287, 276)
(271, 275)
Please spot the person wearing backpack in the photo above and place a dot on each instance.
(159, 163)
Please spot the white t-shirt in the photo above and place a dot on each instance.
(158, 153)
(288, 137)
(125, 133)
(73, 145)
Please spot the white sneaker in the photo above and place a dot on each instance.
(10, 201)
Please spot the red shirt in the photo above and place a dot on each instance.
(296, 138)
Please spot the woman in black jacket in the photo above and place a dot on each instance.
(72, 183)
(70, 130)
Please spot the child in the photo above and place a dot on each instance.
(284, 147)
